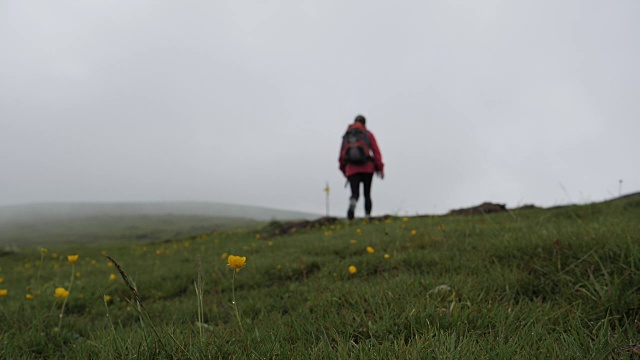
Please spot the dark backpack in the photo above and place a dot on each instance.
(356, 146)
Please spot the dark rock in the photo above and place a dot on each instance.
(484, 208)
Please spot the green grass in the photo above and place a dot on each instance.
(105, 228)
(557, 283)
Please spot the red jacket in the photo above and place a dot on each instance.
(369, 167)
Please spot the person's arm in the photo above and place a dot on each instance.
(377, 155)
(343, 164)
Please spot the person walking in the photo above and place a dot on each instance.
(359, 159)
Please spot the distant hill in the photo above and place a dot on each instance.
(66, 223)
(50, 211)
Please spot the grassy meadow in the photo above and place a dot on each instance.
(533, 283)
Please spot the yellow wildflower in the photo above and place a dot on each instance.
(370, 250)
(61, 293)
(405, 219)
(1, 280)
(72, 258)
(28, 297)
(270, 243)
(224, 256)
(43, 251)
(387, 256)
(112, 277)
(107, 298)
(3, 292)
(359, 231)
(78, 274)
(413, 232)
(236, 262)
(352, 269)
(353, 241)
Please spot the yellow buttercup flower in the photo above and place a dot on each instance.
(370, 250)
(236, 262)
(1, 280)
(353, 269)
(224, 256)
(43, 251)
(413, 232)
(3, 292)
(28, 297)
(387, 256)
(61, 293)
(73, 258)
(107, 298)
(112, 277)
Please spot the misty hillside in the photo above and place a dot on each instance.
(51, 211)
(48, 224)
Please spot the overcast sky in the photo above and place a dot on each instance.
(245, 102)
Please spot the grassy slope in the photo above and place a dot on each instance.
(560, 283)
(100, 229)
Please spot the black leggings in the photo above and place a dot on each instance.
(354, 181)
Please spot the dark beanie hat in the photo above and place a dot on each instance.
(361, 119)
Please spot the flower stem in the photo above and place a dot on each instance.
(233, 295)
(73, 272)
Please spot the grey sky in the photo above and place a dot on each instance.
(245, 101)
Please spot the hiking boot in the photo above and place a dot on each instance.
(352, 208)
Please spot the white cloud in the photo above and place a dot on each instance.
(246, 103)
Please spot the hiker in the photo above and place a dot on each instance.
(359, 159)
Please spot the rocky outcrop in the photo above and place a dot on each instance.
(484, 208)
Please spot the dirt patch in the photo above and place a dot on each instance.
(277, 228)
